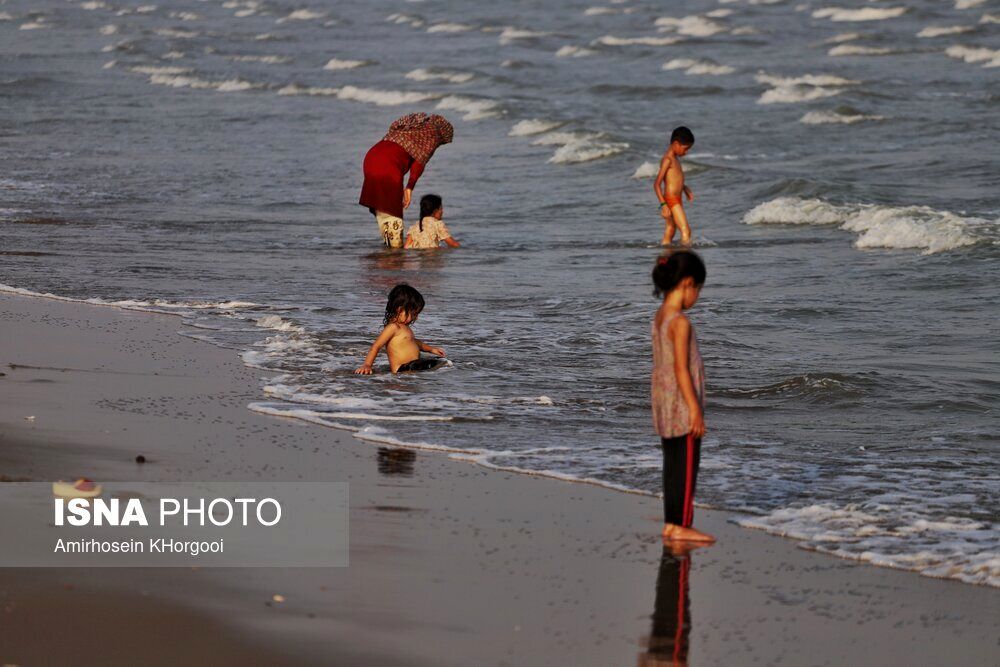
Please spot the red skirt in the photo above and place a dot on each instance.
(385, 165)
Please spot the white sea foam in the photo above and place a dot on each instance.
(34, 25)
(91, 5)
(5, 16)
(975, 55)
(858, 50)
(951, 548)
(269, 60)
(573, 51)
(451, 27)
(939, 30)
(186, 81)
(382, 98)
(646, 170)
(472, 108)
(526, 128)
(338, 64)
(405, 19)
(611, 40)
(600, 11)
(185, 16)
(423, 74)
(301, 15)
(154, 69)
(296, 89)
(719, 13)
(833, 117)
(109, 29)
(858, 15)
(694, 26)
(698, 67)
(510, 33)
(791, 90)
(909, 227)
(172, 55)
(277, 323)
(577, 147)
(990, 18)
(176, 34)
(968, 4)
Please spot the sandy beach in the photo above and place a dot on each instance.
(450, 563)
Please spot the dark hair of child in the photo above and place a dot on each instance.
(671, 269)
(683, 136)
(402, 298)
(428, 204)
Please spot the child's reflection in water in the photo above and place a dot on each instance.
(668, 639)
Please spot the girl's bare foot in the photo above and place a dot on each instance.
(681, 534)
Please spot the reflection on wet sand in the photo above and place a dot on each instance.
(669, 635)
(396, 461)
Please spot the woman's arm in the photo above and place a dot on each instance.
(452, 242)
(380, 342)
(416, 169)
(680, 330)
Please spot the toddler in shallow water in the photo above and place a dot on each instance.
(429, 231)
(678, 391)
(401, 346)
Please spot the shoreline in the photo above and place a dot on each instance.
(522, 570)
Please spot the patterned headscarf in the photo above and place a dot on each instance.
(420, 134)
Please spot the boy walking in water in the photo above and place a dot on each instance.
(669, 186)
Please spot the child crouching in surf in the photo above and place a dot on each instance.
(678, 390)
(402, 348)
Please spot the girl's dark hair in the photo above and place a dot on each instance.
(671, 269)
(428, 204)
(402, 297)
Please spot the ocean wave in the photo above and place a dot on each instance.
(858, 50)
(698, 67)
(573, 51)
(805, 88)
(885, 535)
(577, 147)
(989, 18)
(857, 15)
(383, 98)
(646, 170)
(811, 387)
(510, 33)
(968, 4)
(611, 40)
(975, 55)
(693, 26)
(424, 74)
(301, 15)
(526, 128)
(909, 227)
(173, 33)
(186, 81)
(939, 30)
(837, 117)
(40, 24)
(450, 27)
(472, 108)
(267, 60)
(338, 64)
(405, 19)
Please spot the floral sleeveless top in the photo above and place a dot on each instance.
(670, 411)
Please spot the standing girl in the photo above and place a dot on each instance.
(678, 390)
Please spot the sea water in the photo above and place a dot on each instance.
(204, 158)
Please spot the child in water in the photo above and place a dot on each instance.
(671, 178)
(402, 348)
(429, 231)
(678, 390)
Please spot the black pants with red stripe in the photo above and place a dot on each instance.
(681, 456)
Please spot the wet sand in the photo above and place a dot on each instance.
(450, 563)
